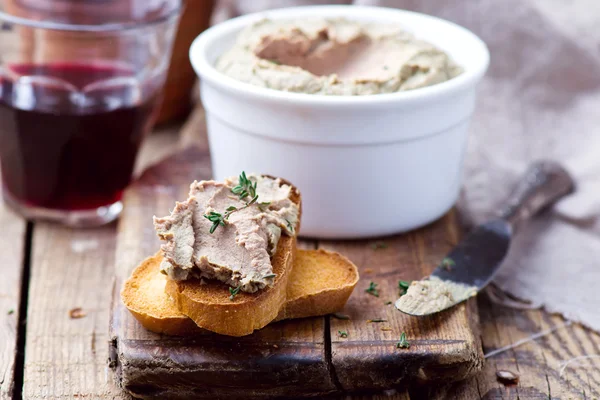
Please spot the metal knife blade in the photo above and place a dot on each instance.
(472, 264)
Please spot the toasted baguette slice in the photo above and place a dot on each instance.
(209, 304)
(320, 283)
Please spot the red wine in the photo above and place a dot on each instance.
(69, 133)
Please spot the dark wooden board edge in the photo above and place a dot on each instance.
(422, 363)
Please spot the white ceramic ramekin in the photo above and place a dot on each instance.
(365, 165)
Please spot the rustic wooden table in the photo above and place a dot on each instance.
(48, 270)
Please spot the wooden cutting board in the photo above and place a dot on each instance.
(299, 357)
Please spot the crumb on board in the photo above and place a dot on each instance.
(76, 313)
(507, 378)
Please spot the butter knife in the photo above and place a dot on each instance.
(472, 264)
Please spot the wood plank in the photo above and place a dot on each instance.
(12, 245)
(443, 347)
(541, 364)
(207, 365)
(66, 357)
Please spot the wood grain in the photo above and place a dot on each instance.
(539, 363)
(445, 346)
(66, 357)
(11, 259)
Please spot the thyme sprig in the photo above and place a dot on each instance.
(343, 334)
(245, 187)
(403, 343)
(372, 289)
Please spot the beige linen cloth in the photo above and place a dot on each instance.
(540, 99)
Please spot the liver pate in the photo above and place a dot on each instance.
(238, 253)
(334, 57)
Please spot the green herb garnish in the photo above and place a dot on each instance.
(245, 187)
(403, 286)
(11, 311)
(403, 343)
(233, 292)
(372, 289)
(216, 218)
(448, 263)
(387, 303)
(340, 316)
(343, 334)
(276, 62)
(269, 276)
(263, 205)
(376, 320)
(379, 245)
(289, 225)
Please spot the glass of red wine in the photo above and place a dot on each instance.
(78, 93)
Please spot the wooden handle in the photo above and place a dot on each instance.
(543, 184)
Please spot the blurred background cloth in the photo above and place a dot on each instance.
(540, 99)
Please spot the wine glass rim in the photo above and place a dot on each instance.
(110, 27)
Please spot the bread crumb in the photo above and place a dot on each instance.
(386, 329)
(275, 346)
(76, 313)
(368, 270)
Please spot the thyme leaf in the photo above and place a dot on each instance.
(379, 245)
(448, 263)
(403, 343)
(403, 287)
(343, 334)
(372, 289)
(245, 187)
(233, 292)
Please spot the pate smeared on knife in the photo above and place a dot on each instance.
(222, 232)
(432, 295)
(335, 57)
